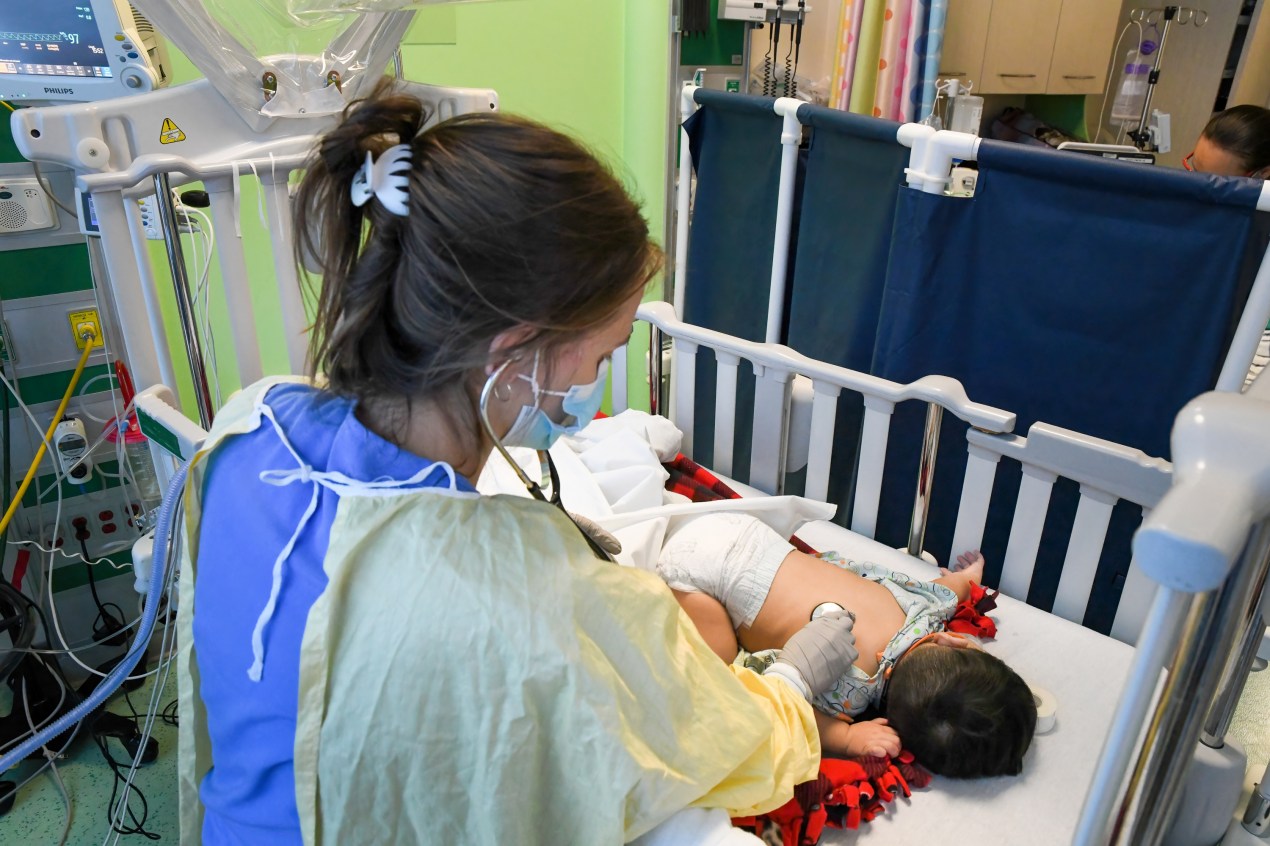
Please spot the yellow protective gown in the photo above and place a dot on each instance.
(473, 674)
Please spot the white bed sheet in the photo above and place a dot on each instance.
(1083, 669)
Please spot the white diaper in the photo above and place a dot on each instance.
(731, 557)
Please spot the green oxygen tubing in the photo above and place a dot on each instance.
(117, 676)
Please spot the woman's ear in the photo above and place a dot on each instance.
(506, 345)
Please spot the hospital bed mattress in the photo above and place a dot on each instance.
(1085, 672)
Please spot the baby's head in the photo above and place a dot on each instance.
(961, 712)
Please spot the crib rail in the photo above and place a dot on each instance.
(1207, 545)
(776, 367)
(1107, 473)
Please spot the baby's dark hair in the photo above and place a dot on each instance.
(962, 712)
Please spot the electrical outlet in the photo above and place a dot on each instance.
(85, 322)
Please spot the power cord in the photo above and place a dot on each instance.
(108, 628)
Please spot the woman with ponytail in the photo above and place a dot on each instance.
(373, 652)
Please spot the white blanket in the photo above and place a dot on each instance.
(611, 472)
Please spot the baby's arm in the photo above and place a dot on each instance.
(711, 620)
(871, 738)
(969, 569)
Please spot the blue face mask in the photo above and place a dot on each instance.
(535, 430)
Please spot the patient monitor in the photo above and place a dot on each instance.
(77, 50)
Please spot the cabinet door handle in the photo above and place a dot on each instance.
(952, 73)
(1017, 75)
(1082, 76)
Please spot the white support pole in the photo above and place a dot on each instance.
(930, 164)
(136, 301)
(294, 318)
(791, 137)
(683, 199)
(915, 136)
(1253, 320)
(233, 265)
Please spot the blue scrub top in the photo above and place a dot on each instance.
(249, 795)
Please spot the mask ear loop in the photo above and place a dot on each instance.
(535, 490)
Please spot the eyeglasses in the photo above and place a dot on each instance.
(1189, 163)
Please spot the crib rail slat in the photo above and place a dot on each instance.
(771, 422)
(1136, 599)
(1084, 549)
(683, 370)
(1025, 531)
(873, 437)
(976, 495)
(824, 414)
(725, 410)
(1135, 604)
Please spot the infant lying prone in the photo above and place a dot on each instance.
(962, 712)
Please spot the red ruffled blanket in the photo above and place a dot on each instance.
(849, 791)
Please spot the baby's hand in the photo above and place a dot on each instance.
(873, 738)
(969, 565)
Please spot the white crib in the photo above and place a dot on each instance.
(1193, 598)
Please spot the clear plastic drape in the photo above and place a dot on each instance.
(285, 58)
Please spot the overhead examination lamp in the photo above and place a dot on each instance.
(77, 51)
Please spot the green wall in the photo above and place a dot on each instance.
(596, 69)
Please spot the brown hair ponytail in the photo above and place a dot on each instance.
(509, 223)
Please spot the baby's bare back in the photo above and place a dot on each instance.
(802, 583)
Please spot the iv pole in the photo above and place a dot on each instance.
(1142, 136)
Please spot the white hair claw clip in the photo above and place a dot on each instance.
(387, 179)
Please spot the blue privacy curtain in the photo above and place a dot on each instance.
(853, 169)
(736, 152)
(1094, 295)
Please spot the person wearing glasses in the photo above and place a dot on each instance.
(1235, 142)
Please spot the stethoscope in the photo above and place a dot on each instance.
(544, 459)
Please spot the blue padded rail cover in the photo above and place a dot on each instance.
(853, 170)
(1098, 296)
(736, 151)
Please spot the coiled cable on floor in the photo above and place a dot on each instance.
(116, 676)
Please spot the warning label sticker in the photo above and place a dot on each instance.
(170, 133)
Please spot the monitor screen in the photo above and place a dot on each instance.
(51, 38)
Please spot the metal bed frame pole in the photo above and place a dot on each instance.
(925, 480)
(184, 304)
(654, 369)
(1214, 625)
(1235, 678)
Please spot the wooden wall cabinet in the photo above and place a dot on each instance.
(1030, 46)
